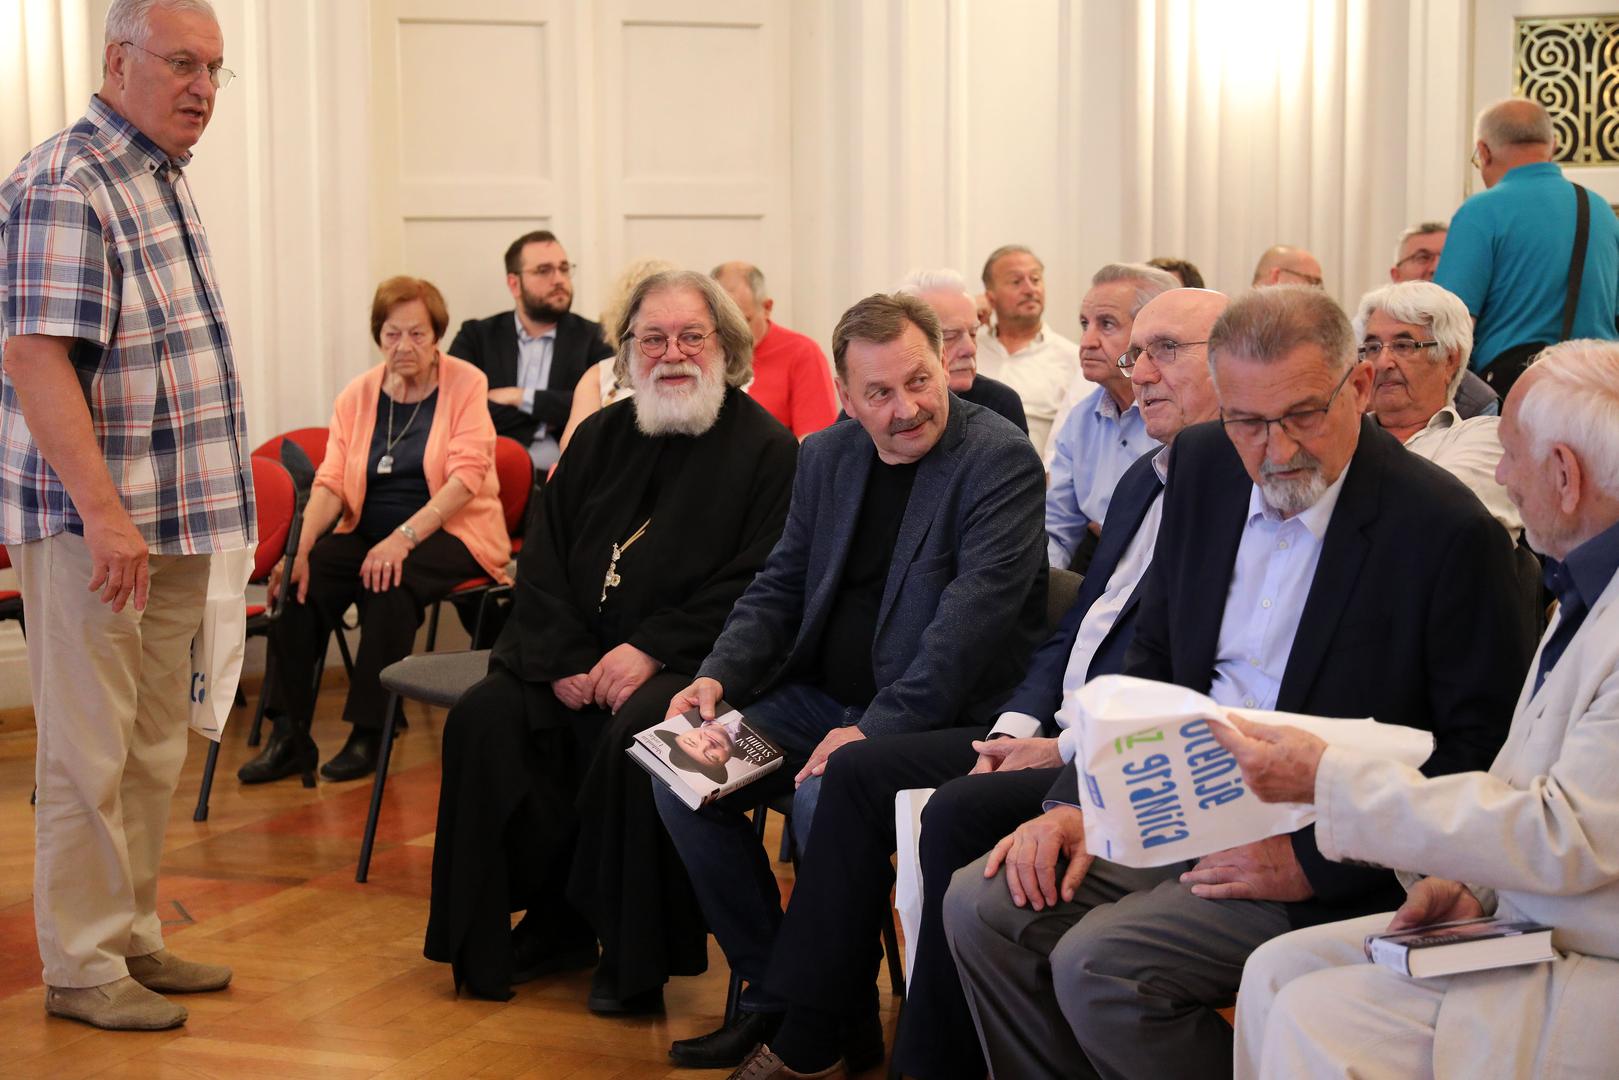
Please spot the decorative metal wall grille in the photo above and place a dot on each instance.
(1571, 66)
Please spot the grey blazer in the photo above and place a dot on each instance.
(964, 603)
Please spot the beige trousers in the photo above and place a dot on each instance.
(111, 704)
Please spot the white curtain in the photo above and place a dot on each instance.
(47, 70)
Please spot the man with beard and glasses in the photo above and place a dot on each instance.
(662, 511)
(906, 594)
(1417, 338)
(1345, 578)
(535, 355)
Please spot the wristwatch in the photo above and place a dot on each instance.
(410, 534)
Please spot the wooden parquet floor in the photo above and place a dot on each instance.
(330, 980)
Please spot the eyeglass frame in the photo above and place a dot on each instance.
(950, 336)
(547, 270)
(1283, 420)
(1126, 363)
(1377, 349)
(219, 76)
(1421, 253)
(675, 338)
(1310, 279)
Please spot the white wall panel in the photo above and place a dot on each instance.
(696, 241)
(463, 257)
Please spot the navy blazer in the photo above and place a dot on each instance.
(491, 344)
(1040, 692)
(1410, 618)
(964, 601)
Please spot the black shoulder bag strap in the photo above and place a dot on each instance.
(1576, 266)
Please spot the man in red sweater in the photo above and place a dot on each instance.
(791, 377)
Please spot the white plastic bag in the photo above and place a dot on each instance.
(908, 806)
(216, 651)
(1155, 788)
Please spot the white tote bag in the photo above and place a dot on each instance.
(216, 651)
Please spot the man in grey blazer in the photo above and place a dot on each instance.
(906, 593)
(1536, 837)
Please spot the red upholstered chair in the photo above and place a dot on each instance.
(277, 503)
(11, 599)
(311, 439)
(515, 471)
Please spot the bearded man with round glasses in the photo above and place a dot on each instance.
(1417, 338)
(1305, 562)
(663, 509)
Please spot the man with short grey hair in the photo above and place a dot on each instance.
(1019, 348)
(946, 292)
(1416, 253)
(1510, 251)
(123, 467)
(1284, 264)
(791, 378)
(1417, 337)
(1329, 549)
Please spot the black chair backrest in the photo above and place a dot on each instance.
(1062, 589)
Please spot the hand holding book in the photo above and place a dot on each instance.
(1435, 900)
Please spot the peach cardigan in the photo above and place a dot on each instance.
(460, 445)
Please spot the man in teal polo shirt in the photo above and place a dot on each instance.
(1508, 252)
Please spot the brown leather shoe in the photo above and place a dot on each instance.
(164, 972)
(121, 1005)
(763, 1064)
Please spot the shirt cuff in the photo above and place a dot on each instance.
(1068, 744)
(528, 400)
(1332, 777)
(1015, 725)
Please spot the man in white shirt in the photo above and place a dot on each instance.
(1417, 337)
(1019, 349)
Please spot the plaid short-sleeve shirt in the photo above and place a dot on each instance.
(100, 241)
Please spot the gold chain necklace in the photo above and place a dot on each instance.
(612, 580)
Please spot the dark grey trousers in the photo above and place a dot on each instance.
(1124, 981)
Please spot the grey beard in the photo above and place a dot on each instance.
(659, 412)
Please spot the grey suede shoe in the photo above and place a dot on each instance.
(166, 973)
(121, 1005)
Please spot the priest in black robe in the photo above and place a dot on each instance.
(657, 517)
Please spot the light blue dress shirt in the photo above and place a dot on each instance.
(1270, 581)
(1095, 446)
(533, 373)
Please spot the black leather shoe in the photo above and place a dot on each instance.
(287, 753)
(357, 759)
(646, 1003)
(726, 1046)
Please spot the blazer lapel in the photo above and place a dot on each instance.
(503, 362)
(1343, 551)
(1225, 517)
(848, 483)
(933, 478)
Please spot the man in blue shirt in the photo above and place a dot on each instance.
(1508, 252)
(1103, 434)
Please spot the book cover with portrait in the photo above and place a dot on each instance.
(701, 762)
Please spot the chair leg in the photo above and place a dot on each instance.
(477, 625)
(377, 783)
(432, 625)
(253, 732)
(896, 966)
(201, 812)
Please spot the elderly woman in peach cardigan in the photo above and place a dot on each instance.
(409, 482)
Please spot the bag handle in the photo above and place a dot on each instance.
(1576, 266)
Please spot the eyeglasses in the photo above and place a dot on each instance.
(1400, 348)
(1300, 425)
(187, 69)
(1307, 278)
(1422, 257)
(1161, 353)
(950, 337)
(653, 346)
(1472, 159)
(545, 270)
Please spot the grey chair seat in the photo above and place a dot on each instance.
(436, 678)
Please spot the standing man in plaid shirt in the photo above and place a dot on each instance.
(123, 465)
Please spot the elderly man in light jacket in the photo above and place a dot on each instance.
(1537, 837)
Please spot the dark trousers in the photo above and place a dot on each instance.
(963, 820)
(827, 951)
(388, 620)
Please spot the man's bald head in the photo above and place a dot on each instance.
(1285, 265)
(1511, 133)
(1171, 371)
(746, 285)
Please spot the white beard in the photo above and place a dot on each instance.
(662, 411)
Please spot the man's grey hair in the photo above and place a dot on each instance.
(1422, 303)
(1267, 324)
(918, 282)
(1514, 122)
(131, 20)
(1002, 252)
(1421, 228)
(879, 319)
(752, 275)
(1148, 280)
(1574, 400)
(736, 340)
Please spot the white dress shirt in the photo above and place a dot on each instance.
(1469, 450)
(1039, 372)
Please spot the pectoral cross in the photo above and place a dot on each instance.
(611, 580)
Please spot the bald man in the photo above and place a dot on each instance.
(1508, 253)
(791, 377)
(1284, 265)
